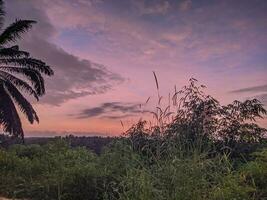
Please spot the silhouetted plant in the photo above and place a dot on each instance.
(19, 72)
(198, 121)
(237, 122)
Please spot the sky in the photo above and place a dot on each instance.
(103, 53)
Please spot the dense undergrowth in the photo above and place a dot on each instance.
(202, 151)
(56, 171)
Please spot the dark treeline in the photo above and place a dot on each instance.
(93, 143)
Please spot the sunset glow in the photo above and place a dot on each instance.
(103, 53)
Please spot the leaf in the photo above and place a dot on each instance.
(156, 80)
(122, 124)
(9, 118)
(147, 100)
(14, 31)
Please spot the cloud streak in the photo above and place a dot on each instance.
(151, 7)
(74, 77)
(111, 110)
(259, 88)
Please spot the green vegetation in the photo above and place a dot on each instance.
(196, 149)
(202, 151)
(56, 171)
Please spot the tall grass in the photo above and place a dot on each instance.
(197, 149)
(56, 171)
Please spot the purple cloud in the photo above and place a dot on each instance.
(74, 77)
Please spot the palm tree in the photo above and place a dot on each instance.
(19, 73)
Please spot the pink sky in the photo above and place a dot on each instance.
(103, 53)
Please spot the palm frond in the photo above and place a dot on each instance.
(2, 13)
(14, 31)
(23, 103)
(27, 77)
(21, 84)
(30, 63)
(9, 118)
(31, 74)
(13, 52)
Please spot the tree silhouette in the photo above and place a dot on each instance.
(19, 73)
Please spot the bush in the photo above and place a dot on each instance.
(206, 151)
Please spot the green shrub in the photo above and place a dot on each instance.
(207, 151)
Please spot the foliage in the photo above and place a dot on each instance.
(48, 172)
(57, 171)
(19, 73)
(201, 151)
(200, 122)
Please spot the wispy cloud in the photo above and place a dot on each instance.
(222, 43)
(111, 110)
(258, 92)
(259, 88)
(74, 77)
(151, 7)
(185, 5)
